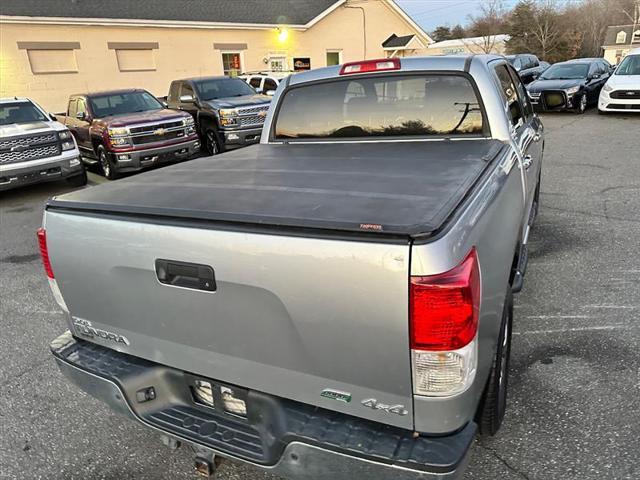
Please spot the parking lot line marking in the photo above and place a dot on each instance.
(622, 307)
(579, 329)
(545, 317)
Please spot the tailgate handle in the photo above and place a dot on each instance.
(186, 275)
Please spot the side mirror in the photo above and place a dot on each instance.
(187, 99)
(165, 104)
(271, 93)
(595, 76)
(53, 117)
(81, 115)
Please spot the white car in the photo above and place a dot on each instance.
(621, 93)
(265, 82)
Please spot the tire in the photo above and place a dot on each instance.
(494, 402)
(582, 106)
(79, 180)
(106, 165)
(211, 143)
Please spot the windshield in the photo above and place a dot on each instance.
(123, 103)
(222, 88)
(20, 112)
(566, 71)
(629, 66)
(378, 106)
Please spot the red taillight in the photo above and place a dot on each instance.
(44, 253)
(444, 308)
(370, 66)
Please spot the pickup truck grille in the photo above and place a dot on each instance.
(252, 116)
(32, 147)
(628, 94)
(157, 132)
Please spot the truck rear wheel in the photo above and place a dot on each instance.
(494, 402)
(107, 166)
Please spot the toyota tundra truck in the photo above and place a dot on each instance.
(128, 130)
(34, 147)
(334, 302)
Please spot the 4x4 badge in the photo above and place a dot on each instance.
(336, 395)
(375, 405)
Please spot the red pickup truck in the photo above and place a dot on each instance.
(128, 130)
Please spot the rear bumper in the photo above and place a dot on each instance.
(137, 160)
(280, 436)
(42, 170)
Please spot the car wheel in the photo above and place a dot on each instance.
(211, 143)
(107, 166)
(582, 106)
(79, 180)
(494, 402)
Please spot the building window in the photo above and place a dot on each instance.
(231, 63)
(636, 37)
(334, 57)
(621, 37)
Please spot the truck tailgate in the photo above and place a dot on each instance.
(291, 316)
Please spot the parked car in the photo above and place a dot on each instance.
(621, 93)
(264, 82)
(34, 147)
(527, 65)
(340, 298)
(572, 85)
(128, 130)
(228, 112)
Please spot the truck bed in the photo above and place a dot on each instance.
(393, 188)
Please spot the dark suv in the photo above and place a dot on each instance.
(228, 112)
(527, 65)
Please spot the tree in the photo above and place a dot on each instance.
(519, 27)
(441, 33)
(458, 32)
(487, 26)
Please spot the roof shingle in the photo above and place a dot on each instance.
(280, 12)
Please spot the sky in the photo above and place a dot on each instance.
(432, 13)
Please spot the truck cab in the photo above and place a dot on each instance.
(228, 112)
(34, 147)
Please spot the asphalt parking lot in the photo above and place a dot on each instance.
(574, 405)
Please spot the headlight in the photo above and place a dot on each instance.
(228, 117)
(64, 134)
(573, 90)
(188, 121)
(607, 87)
(118, 132)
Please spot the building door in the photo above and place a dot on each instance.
(231, 63)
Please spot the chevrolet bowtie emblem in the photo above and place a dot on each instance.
(262, 113)
(160, 131)
(19, 148)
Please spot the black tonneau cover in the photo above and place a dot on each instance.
(398, 188)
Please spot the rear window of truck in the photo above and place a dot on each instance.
(381, 106)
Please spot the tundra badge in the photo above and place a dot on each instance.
(83, 327)
(336, 395)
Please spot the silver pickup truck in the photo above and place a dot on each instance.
(334, 302)
(34, 147)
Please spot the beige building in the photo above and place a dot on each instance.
(619, 40)
(55, 48)
(490, 44)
